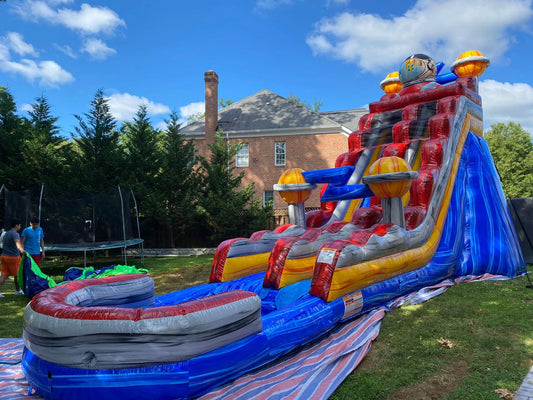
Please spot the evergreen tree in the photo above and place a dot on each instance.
(142, 148)
(44, 124)
(46, 154)
(97, 141)
(177, 184)
(512, 150)
(13, 130)
(227, 210)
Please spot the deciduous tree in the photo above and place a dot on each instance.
(512, 151)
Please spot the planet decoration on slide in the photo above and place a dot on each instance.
(392, 188)
(295, 195)
(470, 63)
(391, 84)
(417, 68)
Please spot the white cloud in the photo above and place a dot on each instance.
(443, 29)
(90, 19)
(48, 73)
(97, 49)
(86, 20)
(337, 2)
(58, 2)
(505, 102)
(192, 109)
(66, 49)
(124, 106)
(267, 5)
(15, 42)
(161, 126)
(271, 4)
(4, 52)
(26, 107)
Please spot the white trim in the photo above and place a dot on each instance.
(347, 131)
(276, 132)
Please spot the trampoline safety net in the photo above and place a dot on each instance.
(76, 221)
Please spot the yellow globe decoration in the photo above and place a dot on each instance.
(391, 84)
(290, 177)
(392, 188)
(470, 63)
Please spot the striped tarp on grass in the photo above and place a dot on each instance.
(312, 372)
(13, 385)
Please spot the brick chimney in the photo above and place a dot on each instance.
(211, 107)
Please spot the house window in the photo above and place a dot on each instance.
(242, 156)
(268, 197)
(280, 153)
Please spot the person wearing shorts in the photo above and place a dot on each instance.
(12, 249)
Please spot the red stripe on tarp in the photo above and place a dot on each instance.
(13, 385)
(286, 377)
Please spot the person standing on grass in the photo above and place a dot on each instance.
(10, 258)
(32, 239)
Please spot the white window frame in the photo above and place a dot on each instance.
(269, 197)
(280, 153)
(242, 158)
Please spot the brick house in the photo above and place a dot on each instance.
(277, 134)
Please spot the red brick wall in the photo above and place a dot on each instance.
(308, 152)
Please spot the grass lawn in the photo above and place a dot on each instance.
(475, 341)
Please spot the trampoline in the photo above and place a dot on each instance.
(76, 222)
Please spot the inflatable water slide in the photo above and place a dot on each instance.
(415, 200)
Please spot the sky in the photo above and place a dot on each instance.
(335, 52)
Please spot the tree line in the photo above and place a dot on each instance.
(184, 199)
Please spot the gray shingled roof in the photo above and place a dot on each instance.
(348, 118)
(267, 112)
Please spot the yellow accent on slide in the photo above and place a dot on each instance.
(355, 277)
(297, 269)
(244, 265)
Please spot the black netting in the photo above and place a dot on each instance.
(75, 218)
(21, 206)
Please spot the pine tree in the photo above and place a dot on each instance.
(143, 154)
(98, 143)
(227, 209)
(13, 130)
(45, 154)
(177, 183)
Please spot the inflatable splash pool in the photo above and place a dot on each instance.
(278, 290)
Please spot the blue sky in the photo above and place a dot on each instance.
(333, 51)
